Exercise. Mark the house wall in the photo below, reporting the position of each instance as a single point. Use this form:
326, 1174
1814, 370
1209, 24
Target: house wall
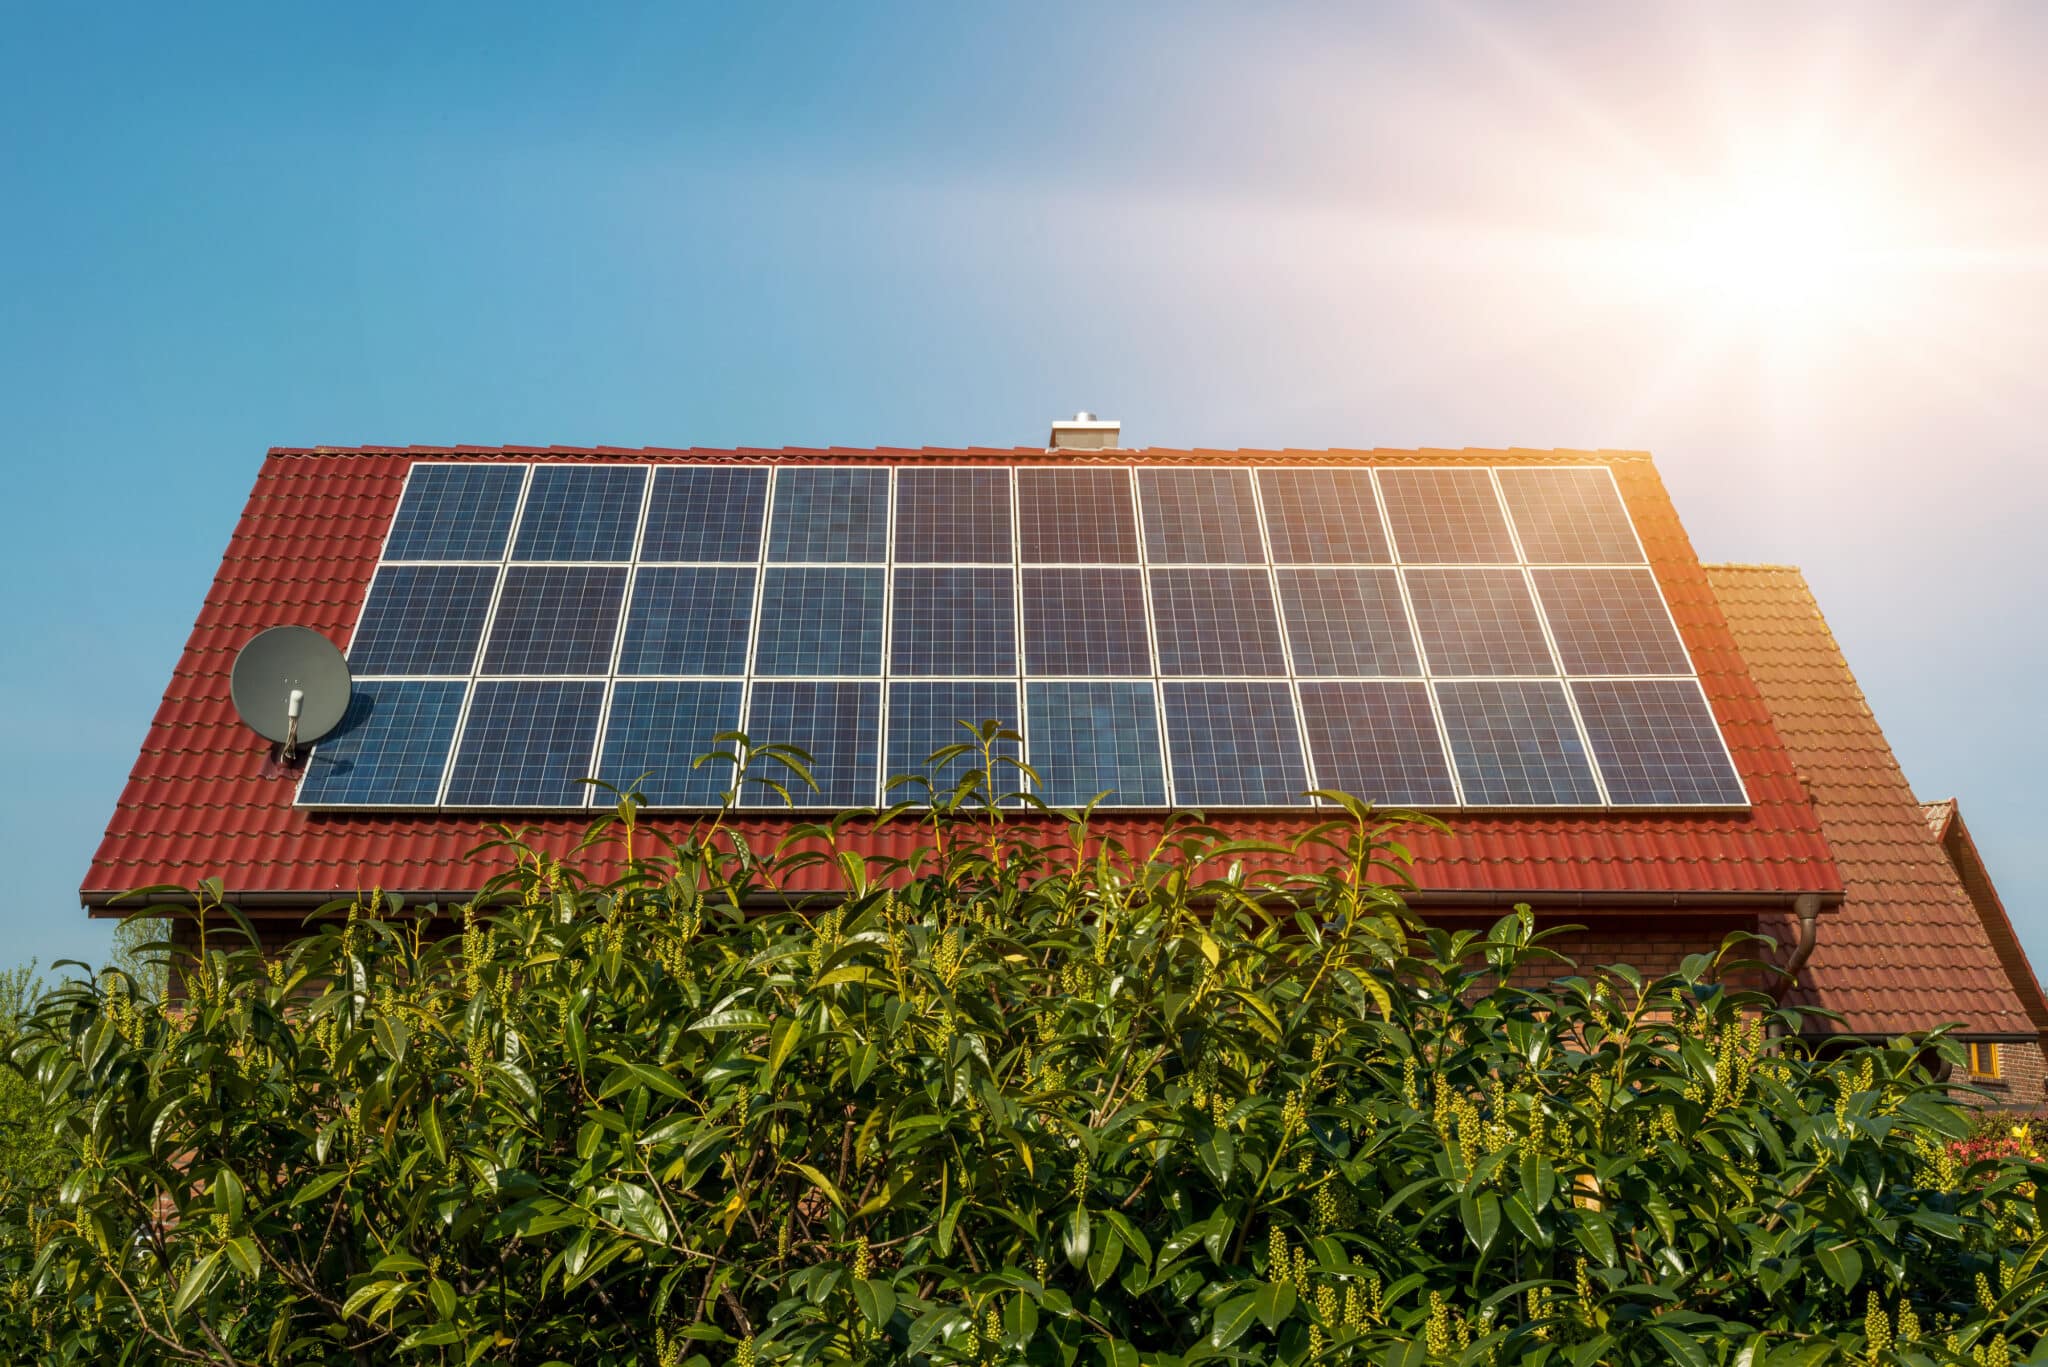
2022, 1083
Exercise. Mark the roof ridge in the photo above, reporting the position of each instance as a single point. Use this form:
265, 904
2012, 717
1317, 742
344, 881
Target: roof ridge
534, 449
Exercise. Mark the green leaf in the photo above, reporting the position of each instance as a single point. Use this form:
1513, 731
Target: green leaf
1079, 1237
877, 1300
320, 1186
430, 1130
1233, 1317
788, 1034
1107, 1252
626, 1075
1482, 1218
1679, 1346
195, 1283
1842, 1263
1218, 1152
1274, 1302
1596, 1235
822, 1183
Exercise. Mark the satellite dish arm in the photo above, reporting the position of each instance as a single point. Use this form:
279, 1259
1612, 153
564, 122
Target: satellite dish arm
293, 707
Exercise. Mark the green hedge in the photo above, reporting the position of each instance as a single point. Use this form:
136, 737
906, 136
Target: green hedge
996, 1104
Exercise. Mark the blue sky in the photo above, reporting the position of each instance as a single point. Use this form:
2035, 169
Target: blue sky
1794, 252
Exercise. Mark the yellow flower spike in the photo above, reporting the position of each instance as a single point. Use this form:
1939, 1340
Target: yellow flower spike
1877, 1330
1436, 1331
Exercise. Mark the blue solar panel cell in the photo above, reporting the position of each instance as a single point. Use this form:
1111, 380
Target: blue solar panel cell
581, 512
837, 723
656, 731
390, 748
958, 516
556, 619
1570, 517
705, 513
1199, 516
1478, 621
422, 619
1234, 744
1656, 743
926, 717
820, 621
954, 621
1446, 517
1094, 738
527, 743
1515, 745
455, 512
1085, 622
1377, 741
1610, 621
1323, 517
1076, 517
688, 619
1216, 623
829, 515
1346, 623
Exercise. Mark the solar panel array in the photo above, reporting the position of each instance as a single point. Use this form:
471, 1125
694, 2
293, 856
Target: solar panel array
1208, 636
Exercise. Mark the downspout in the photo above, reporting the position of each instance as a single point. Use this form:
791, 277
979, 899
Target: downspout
1808, 907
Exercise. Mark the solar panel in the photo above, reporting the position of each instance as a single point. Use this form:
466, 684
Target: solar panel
656, 731
1096, 737
829, 515
1076, 517
953, 516
556, 619
820, 621
1085, 622
1610, 621
837, 723
581, 512
391, 746
423, 619
1216, 622
1323, 517
953, 621
1515, 745
1377, 741
1656, 743
1206, 634
1478, 621
1234, 744
926, 717
1347, 622
1200, 516
705, 513
526, 743
1446, 517
1570, 516
688, 619
455, 512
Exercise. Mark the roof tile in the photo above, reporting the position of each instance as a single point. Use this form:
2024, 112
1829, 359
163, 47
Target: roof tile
1906, 950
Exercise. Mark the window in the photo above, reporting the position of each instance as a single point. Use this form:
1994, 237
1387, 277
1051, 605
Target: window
1983, 1060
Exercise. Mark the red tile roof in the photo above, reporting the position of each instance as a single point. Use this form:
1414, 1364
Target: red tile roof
1945, 819
1907, 950
202, 802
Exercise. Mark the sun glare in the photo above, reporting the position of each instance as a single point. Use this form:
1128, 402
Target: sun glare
1784, 258
1771, 251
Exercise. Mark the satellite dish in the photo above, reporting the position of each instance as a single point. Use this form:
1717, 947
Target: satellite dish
290, 684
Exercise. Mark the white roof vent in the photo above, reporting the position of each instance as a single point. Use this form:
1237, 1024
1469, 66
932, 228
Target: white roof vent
1085, 432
